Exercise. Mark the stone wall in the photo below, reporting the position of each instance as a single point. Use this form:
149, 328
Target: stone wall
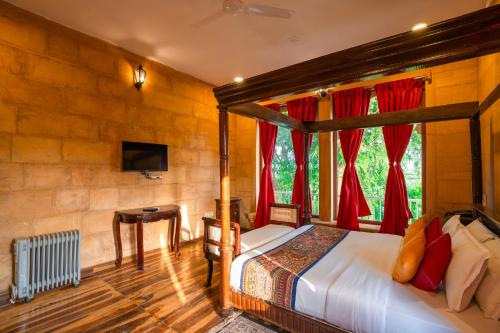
489, 78
242, 161
66, 102
448, 158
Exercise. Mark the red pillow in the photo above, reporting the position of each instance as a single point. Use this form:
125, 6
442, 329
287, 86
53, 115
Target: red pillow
434, 264
433, 231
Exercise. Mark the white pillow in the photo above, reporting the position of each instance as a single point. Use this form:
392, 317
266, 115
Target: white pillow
451, 226
480, 232
488, 293
466, 269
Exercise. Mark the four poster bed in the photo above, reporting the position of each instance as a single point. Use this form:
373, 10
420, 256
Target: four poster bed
340, 280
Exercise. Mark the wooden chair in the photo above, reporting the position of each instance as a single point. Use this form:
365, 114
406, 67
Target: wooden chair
283, 214
211, 243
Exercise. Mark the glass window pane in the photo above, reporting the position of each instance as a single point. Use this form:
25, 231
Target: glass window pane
314, 174
284, 169
283, 166
372, 167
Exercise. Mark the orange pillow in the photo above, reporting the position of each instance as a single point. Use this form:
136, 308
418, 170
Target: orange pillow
414, 228
409, 257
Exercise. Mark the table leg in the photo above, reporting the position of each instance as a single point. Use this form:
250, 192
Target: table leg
140, 246
178, 223
118, 240
171, 227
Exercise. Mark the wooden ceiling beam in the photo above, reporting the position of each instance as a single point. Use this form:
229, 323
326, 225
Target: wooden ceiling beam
421, 115
257, 111
490, 100
460, 38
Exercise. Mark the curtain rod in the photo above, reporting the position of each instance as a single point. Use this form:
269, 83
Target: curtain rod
424, 78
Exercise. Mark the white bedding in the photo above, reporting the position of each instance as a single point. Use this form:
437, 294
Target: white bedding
258, 237
420, 311
252, 239
352, 287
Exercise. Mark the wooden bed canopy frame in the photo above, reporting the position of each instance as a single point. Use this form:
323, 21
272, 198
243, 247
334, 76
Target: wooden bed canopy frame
468, 36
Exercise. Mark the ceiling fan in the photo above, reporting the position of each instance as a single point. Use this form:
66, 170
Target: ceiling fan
239, 7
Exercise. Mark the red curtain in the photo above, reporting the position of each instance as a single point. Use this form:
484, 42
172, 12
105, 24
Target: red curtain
267, 137
301, 109
397, 96
352, 203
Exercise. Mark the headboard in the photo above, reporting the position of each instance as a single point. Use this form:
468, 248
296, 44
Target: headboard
488, 218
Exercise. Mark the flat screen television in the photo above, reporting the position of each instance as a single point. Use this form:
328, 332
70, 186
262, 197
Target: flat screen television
137, 156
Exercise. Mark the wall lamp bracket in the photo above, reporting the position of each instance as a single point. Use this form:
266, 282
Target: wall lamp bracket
139, 77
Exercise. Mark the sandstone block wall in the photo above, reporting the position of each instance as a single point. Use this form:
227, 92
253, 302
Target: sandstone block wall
448, 156
489, 78
66, 102
243, 159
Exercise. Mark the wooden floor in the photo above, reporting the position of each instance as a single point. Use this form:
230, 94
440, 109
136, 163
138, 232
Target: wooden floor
168, 296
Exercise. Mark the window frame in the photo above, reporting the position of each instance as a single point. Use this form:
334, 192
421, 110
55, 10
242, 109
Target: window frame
334, 166
260, 162
336, 178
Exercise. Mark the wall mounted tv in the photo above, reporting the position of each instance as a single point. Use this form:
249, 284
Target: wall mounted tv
137, 156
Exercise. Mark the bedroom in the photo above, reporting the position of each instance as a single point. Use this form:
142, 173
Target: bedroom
68, 100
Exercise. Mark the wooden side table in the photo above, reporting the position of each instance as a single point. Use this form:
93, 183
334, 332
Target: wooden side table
138, 216
234, 209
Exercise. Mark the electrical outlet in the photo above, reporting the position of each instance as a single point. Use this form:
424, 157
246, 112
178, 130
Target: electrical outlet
485, 202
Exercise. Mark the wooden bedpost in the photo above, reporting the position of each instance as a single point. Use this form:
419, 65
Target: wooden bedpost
225, 246
477, 173
307, 208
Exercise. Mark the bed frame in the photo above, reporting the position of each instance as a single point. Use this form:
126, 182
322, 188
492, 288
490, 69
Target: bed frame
468, 36
294, 321
289, 320
286, 319
488, 218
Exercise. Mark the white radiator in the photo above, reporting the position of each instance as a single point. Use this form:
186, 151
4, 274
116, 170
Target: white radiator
45, 262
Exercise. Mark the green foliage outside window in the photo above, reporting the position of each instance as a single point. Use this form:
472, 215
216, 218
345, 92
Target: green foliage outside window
284, 169
371, 165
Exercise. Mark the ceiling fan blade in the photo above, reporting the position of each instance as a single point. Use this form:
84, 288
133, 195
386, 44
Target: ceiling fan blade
209, 19
269, 11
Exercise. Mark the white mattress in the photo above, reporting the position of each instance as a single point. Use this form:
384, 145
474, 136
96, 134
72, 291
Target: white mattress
252, 239
352, 287
258, 237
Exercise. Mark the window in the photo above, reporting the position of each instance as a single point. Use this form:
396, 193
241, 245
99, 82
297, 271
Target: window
372, 167
284, 169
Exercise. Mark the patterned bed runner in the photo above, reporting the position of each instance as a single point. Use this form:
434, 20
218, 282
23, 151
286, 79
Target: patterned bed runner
273, 276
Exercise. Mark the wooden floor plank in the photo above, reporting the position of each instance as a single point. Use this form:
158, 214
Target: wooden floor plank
168, 296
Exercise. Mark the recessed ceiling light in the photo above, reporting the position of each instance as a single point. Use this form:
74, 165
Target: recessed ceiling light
419, 26
238, 79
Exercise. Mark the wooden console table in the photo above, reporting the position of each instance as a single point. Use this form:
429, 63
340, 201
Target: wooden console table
138, 216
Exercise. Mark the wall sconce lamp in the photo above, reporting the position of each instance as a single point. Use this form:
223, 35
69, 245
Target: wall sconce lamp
139, 77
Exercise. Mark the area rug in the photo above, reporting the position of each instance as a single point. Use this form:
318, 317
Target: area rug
241, 323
